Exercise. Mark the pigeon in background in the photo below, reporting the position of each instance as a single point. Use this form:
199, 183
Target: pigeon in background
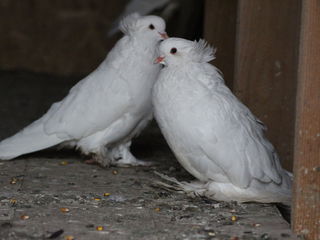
143, 7
184, 17
105, 110
213, 135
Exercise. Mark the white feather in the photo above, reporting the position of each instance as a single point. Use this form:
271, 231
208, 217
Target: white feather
141, 7
105, 110
202, 51
213, 135
28, 140
129, 23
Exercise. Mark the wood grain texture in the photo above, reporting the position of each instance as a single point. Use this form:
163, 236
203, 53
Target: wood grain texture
61, 37
265, 71
306, 210
220, 30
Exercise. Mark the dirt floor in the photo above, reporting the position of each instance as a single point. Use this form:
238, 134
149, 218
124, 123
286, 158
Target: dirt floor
55, 195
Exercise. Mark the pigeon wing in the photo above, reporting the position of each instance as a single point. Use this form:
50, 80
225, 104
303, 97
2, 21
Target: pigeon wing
92, 105
233, 137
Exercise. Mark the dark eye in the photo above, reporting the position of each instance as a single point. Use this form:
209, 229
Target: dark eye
151, 26
173, 50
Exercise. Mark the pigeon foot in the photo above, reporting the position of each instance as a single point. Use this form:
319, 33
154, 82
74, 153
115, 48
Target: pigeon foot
131, 162
100, 160
192, 189
122, 157
91, 161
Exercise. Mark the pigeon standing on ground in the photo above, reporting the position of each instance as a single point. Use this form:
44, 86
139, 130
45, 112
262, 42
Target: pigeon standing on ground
105, 110
213, 135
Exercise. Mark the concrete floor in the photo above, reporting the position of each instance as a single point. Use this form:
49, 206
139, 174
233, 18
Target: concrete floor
55, 195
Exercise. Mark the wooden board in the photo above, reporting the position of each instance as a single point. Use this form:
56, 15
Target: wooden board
220, 30
265, 71
306, 210
60, 37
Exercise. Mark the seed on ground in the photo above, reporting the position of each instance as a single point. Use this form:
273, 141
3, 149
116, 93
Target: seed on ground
99, 228
24, 217
64, 163
13, 181
69, 237
64, 210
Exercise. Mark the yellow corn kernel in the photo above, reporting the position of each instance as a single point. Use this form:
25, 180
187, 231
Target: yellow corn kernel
64, 163
99, 228
69, 237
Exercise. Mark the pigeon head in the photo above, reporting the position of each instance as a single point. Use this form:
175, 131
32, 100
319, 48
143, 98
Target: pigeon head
177, 51
149, 27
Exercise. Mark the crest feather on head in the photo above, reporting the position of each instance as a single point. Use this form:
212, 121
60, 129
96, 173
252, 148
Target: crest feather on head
129, 23
203, 51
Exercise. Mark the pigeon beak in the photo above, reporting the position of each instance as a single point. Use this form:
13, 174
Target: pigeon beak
159, 60
164, 35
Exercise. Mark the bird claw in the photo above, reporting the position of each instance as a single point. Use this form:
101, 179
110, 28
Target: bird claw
169, 179
132, 162
91, 161
99, 160
167, 187
193, 189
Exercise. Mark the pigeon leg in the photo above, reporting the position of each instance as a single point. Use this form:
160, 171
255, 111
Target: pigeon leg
101, 159
91, 161
123, 157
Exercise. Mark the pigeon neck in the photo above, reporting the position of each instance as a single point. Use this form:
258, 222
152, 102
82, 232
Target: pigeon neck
147, 47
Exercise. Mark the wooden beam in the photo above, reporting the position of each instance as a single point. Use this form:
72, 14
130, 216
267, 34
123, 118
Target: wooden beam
306, 208
265, 71
220, 31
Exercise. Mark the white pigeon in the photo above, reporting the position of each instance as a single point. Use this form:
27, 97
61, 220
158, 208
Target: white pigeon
105, 110
213, 135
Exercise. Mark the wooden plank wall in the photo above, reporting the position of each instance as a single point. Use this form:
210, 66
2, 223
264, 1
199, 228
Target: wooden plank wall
56, 37
306, 210
220, 31
265, 71
261, 46
257, 44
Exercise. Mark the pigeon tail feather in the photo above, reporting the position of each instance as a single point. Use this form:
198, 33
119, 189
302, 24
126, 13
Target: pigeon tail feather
227, 191
30, 139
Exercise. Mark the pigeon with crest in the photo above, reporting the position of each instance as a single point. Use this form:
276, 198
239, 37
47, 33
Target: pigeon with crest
105, 110
213, 135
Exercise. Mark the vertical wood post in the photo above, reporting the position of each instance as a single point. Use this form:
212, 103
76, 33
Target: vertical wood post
306, 208
266, 67
220, 31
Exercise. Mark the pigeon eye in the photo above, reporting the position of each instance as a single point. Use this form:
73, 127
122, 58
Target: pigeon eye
173, 50
151, 26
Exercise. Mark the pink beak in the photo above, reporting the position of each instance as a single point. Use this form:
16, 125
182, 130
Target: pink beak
164, 35
159, 60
